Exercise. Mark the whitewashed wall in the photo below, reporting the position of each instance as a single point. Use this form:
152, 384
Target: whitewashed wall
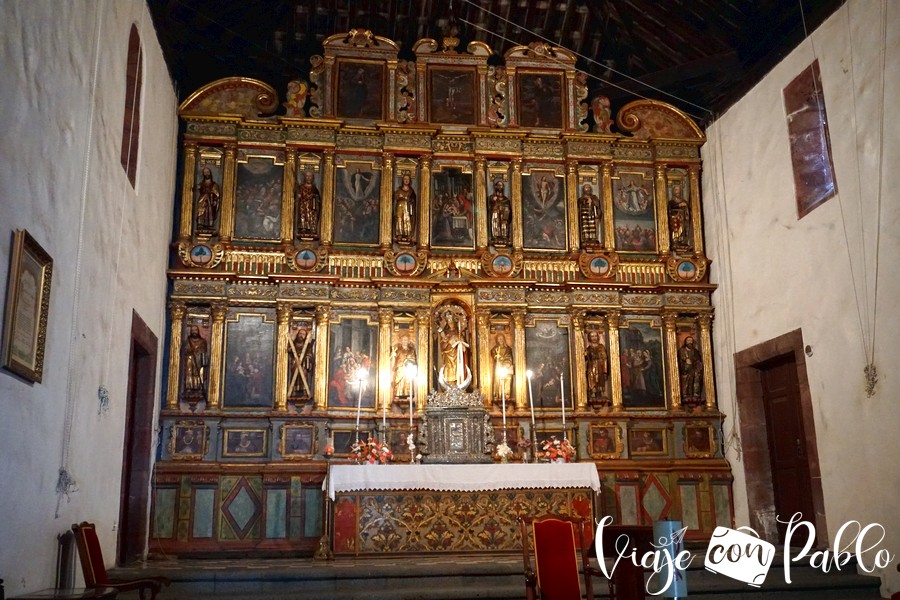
777, 273
61, 105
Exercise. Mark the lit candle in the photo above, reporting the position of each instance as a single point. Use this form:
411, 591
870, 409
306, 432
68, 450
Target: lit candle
411, 376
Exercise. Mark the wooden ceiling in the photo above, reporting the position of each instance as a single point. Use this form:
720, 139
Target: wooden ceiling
699, 55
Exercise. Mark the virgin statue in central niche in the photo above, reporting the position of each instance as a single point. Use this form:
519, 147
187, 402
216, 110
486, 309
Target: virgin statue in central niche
452, 326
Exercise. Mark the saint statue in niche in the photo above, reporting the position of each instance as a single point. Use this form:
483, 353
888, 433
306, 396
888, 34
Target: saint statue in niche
207, 202
405, 211
453, 347
301, 363
403, 361
308, 202
690, 371
501, 214
590, 214
502, 357
195, 364
679, 219
595, 362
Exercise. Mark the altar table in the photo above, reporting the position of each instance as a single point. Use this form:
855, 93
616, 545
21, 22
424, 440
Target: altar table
440, 508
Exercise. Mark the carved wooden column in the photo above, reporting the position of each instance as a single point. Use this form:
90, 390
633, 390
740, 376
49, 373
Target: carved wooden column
287, 196
326, 219
385, 326
226, 228
387, 200
282, 334
572, 202
615, 360
516, 191
216, 354
521, 381
662, 210
485, 364
609, 229
669, 320
423, 354
481, 210
581, 399
187, 191
709, 384
424, 201
323, 317
696, 221
177, 310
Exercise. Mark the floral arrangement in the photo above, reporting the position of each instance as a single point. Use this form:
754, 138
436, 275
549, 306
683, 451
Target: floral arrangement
504, 451
554, 449
371, 451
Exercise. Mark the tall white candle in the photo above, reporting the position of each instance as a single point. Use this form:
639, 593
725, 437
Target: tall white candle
562, 393
529, 374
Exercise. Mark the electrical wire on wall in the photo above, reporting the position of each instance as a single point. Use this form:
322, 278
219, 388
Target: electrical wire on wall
581, 56
731, 441
65, 484
867, 308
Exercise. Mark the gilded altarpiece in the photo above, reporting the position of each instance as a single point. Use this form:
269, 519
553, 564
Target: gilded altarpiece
413, 227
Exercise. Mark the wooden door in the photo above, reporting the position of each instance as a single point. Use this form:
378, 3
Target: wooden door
136, 460
791, 480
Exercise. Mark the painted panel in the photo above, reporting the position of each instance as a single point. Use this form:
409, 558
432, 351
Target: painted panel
628, 504
249, 369
722, 504
544, 210
312, 517
689, 514
204, 506
257, 199
276, 506
164, 513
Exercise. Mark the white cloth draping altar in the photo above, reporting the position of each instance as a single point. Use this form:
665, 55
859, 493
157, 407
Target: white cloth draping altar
461, 478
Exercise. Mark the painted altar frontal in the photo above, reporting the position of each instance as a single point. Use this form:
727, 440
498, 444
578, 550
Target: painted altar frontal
395, 226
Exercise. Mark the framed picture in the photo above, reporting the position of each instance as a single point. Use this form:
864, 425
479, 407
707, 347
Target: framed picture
353, 372
27, 307
399, 445
540, 99
699, 440
188, 440
544, 210
634, 211
804, 107
452, 95
257, 198
547, 357
245, 443
344, 438
297, 441
605, 440
357, 203
647, 442
544, 432
452, 208
641, 364
249, 359
360, 89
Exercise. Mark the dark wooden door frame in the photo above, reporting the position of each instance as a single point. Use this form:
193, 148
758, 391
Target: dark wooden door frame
754, 437
134, 502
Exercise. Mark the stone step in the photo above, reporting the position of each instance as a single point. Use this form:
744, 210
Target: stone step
454, 578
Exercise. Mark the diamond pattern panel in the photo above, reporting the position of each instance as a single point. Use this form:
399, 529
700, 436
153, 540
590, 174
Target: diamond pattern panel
242, 508
655, 499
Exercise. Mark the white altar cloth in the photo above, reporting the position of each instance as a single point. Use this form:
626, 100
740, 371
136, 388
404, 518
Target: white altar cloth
461, 478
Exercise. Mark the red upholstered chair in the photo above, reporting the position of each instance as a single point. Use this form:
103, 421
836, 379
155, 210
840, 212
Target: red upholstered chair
95, 572
560, 546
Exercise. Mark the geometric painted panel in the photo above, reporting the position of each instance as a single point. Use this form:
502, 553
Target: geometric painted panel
242, 507
655, 499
